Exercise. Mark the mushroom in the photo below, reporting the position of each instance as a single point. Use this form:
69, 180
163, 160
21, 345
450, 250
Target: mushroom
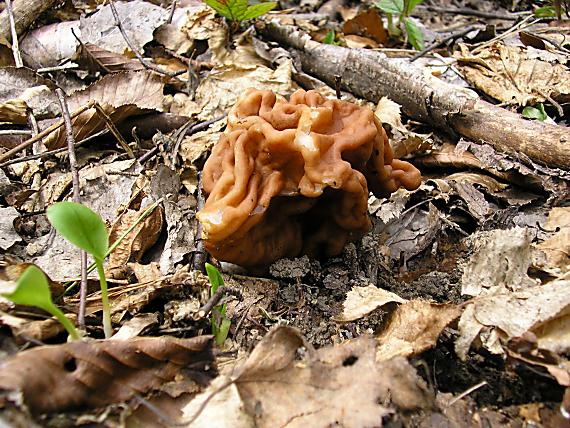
292, 177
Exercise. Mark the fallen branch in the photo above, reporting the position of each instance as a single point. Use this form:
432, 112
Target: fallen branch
25, 12
423, 97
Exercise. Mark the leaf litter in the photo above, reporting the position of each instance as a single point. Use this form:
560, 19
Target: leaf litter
467, 274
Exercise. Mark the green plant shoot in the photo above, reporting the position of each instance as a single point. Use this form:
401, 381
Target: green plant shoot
86, 230
240, 10
32, 289
220, 324
402, 9
537, 112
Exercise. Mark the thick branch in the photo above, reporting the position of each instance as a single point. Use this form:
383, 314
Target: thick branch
423, 97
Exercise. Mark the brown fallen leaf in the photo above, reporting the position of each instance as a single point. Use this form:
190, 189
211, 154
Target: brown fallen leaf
367, 24
414, 327
93, 58
341, 385
557, 248
121, 95
98, 373
138, 240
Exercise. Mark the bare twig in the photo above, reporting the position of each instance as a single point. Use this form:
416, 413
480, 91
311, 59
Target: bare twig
200, 254
468, 12
76, 198
215, 299
143, 61
51, 152
172, 9
438, 43
15, 132
467, 392
15, 45
66, 66
44, 133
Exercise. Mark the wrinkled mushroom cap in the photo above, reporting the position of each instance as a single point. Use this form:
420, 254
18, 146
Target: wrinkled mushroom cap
292, 177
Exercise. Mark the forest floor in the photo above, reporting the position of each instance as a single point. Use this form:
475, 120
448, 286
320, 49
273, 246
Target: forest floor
452, 311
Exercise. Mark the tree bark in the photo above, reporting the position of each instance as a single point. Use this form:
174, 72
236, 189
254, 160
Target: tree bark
425, 98
25, 12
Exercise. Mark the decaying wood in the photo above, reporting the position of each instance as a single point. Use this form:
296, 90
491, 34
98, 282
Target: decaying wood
423, 97
25, 12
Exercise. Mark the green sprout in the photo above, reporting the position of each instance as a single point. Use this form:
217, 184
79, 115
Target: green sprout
330, 39
402, 9
240, 10
86, 230
220, 324
537, 112
32, 289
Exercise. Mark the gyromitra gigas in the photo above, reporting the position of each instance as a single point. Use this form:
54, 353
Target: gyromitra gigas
292, 177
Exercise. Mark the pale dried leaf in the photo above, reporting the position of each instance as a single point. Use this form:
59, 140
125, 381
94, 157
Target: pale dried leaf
98, 373
515, 74
13, 111
8, 235
539, 309
50, 45
327, 387
121, 95
557, 247
500, 260
138, 18
135, 326
414, 327
361, 301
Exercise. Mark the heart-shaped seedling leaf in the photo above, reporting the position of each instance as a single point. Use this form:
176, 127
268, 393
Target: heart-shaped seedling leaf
80, 226
32, 289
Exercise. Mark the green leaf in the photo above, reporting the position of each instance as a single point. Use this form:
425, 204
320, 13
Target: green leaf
391, 6
80, 226
32, 289
411, 4
545, 12
220, 7
257, 10
535, 113
329, 38
214, 276
222, 332
415, 35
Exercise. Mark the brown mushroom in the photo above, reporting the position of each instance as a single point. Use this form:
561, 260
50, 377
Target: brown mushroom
292, 177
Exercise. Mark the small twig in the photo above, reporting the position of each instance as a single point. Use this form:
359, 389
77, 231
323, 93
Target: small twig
514, 29
467, 12
114, 130
466, 393
76, 198
192, 130
438, 43
15, 44
143, 61
172, 9
15, 132
66, 66
51, 152
200, 255
44, 133
215, 299
337, 86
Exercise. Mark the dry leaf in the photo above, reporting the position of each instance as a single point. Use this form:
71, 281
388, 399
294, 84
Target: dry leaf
515, 74
121, 95
557, 247
93, 58
21, 88
50, 45
139, 240
414, 327
361, 301
98, 373
340, 385
139, 19
500, 260
8, 235
367, 24
541, 310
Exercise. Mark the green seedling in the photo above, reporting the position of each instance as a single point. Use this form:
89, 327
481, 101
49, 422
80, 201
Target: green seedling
537, 112
86, 230
220, 324
240, 10
32, 289
401, 10
553, 10
330, 39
